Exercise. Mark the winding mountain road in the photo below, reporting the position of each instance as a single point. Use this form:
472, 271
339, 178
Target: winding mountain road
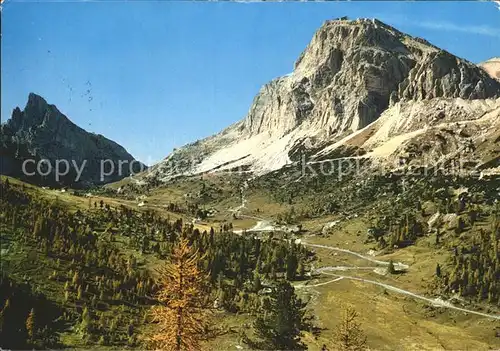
303, 286
433, 302
397, 265
264, 225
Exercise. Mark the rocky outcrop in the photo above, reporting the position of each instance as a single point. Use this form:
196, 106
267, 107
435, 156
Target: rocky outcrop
348, 76
441, 74
41, 131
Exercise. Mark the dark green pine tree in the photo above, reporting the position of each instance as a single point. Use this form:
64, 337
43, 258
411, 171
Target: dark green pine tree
391, 269
282, 321
438, 271
291, 266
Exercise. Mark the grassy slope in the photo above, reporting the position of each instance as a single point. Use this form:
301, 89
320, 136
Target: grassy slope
25, 262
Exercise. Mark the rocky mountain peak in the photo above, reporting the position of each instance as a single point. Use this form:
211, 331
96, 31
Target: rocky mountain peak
352, 70
343, 34
36, 112
36, 101
37, 107
351, 74
41, 131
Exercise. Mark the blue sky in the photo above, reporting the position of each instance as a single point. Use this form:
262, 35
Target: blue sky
156, 75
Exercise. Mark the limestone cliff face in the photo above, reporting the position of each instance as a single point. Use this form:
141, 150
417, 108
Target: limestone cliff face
41, 131
347, 77
352, 71
441, 74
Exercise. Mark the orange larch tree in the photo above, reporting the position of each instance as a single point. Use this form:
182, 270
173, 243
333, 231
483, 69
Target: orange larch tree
182, 315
